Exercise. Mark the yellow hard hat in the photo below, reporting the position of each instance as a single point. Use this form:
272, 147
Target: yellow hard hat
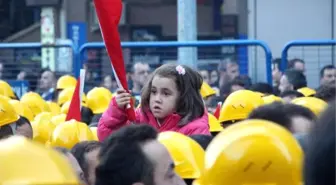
8, 114
65, 107
23, 161
94, 132
6, 90
306, 91
66, 81
316, 105
206, 90
56, 120
55, 109
66, 95
187, 154
239, 104
259, 93
98, 99
214, 124
22, 109
35, 102
253, 152
42, 127
271, 98
69, 133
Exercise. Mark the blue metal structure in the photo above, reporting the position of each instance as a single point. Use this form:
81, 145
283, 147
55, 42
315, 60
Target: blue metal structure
284, 54
209, 43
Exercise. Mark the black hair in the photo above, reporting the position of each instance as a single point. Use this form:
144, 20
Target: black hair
277, 61
190, 103
320, 156
291, 63
86, 114
80, 150
122, 160
261, 87
293, 110
22, 121
326, 92
202, 140
327, 67
296, 78
281, 113
274, 112
6, 131
291, 93
95, 120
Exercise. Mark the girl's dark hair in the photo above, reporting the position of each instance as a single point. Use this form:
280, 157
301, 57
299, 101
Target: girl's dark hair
190, 104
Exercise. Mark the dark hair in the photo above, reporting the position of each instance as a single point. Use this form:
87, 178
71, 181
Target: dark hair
274, 112
291, 93
48, 70
95, 120
262, 88
62, 150
296, 78
277, 61
326, 92
202, 140
327, 67
122, 160
190, 103
22, 121
320, 156
6, 131
292, 62
297, 110
87, 115
80, 150
282, 114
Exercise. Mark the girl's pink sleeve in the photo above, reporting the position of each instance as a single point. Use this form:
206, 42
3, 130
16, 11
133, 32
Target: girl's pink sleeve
112, 119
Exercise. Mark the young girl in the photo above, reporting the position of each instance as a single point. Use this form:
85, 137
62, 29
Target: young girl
170, 101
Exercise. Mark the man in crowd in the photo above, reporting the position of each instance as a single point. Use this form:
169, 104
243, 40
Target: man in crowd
139, 76
133, 156
292, 80
297, 64
328, 75
47, 84
276, 74
228, 70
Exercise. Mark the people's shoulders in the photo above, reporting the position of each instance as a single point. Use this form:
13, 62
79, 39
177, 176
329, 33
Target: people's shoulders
197, 126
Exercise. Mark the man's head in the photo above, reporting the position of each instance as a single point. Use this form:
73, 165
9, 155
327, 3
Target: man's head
297, 64
295, 118
140, 74
133, 156
229, 68
288, 96
276, 73
328, 75
48, 80
292, 80
24, 128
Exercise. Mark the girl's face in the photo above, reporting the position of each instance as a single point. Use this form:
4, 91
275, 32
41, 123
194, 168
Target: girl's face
163, 97
213, 76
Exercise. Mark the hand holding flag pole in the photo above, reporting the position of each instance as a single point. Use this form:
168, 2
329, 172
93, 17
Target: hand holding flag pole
109, 13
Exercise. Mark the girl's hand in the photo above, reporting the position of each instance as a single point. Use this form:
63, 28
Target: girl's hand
122, 98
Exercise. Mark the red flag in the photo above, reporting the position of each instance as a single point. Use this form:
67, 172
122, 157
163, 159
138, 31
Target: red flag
218, 109
74, 109
109, 13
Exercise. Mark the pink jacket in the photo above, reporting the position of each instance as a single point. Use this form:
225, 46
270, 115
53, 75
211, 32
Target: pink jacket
114, 118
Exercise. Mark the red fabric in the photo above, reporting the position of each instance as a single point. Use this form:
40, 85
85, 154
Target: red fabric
217, 111
74, 109
109, 13
115, 118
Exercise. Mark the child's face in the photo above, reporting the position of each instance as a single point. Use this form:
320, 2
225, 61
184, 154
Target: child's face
163, 97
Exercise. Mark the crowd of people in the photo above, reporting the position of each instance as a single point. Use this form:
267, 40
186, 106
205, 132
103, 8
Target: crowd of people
191, 127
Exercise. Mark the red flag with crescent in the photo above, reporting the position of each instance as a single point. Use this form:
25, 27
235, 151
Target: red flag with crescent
109, 13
